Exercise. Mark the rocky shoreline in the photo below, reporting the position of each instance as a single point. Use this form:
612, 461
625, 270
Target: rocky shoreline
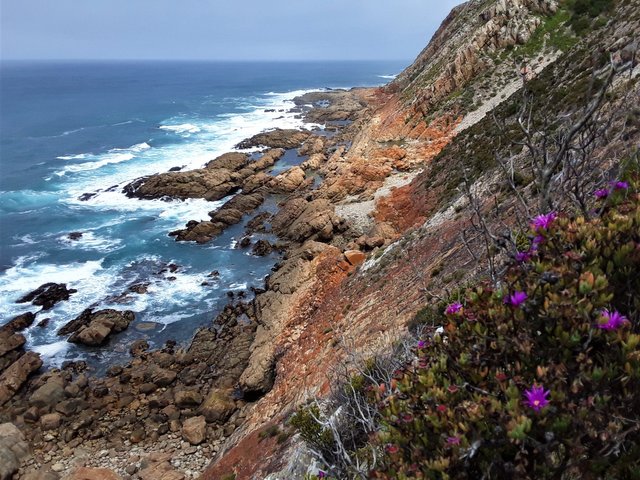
165, 414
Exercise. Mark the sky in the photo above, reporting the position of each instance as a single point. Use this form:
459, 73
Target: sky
219, 29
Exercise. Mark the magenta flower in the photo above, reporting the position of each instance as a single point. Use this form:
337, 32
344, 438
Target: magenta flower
453, 440
537, 397
516, 299
620, 185
614, 320
601, 194
543, 222
453, 309
522, 257
322, 474
422, 344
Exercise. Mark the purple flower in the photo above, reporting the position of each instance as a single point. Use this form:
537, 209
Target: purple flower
516, 299
422, 344
537, 397
602, 193
543, 222
614, 320
522, 257
453, 440
620, 185
322, 474
453, 309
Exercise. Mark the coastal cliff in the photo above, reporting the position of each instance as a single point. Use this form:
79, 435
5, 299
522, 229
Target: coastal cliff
377, 223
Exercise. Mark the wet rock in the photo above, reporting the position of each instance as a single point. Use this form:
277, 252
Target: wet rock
47, 295
139, 347
100, 325
13, 450
139, 288
16, 374
74, 236
43, 323
218, 406
194, 430
19, 323
262, 248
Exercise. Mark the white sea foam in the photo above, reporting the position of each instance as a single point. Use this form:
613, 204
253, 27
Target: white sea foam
91, 241
181, 128
115, 155
388, 77
80, 156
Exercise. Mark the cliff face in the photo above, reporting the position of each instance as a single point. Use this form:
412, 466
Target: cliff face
399, 186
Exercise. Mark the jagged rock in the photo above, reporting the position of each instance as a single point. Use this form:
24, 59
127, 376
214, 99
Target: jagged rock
85, 473
194, 430
74, 236
49, 394
300, 220
16, 374
93, 328
9, 343
47, 295
19, 323
230, 161
162, 377
277, 138
288, 181
218, 406
355, 257
139, 288
262, 248
139, 347
13, 450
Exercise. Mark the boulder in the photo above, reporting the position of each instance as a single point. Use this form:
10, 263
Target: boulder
19, 323
42, 474
288, 181
47, 295
218, 406
101, 324
230, 161
162, 377
13, 450
49, 394
8, 343
187, 398
194, 430
160, 471
16, 374
355, 257
50, 421
262, 248
139, 347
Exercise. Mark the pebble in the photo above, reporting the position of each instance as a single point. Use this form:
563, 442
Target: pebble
57, 467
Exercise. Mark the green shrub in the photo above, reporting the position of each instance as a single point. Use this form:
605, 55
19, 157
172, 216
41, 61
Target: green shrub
459, 411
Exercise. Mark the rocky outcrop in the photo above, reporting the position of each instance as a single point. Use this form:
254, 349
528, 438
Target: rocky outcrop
93, 328
48, 295
16, 374
300, 220
334, 105
289, 181
277, 138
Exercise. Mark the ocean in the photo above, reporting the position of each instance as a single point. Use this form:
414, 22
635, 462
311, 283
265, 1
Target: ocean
92, 127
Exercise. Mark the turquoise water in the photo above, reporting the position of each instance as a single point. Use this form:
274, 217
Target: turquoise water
74, 128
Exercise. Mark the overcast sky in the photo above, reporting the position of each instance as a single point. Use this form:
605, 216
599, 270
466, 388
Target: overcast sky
219, 29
